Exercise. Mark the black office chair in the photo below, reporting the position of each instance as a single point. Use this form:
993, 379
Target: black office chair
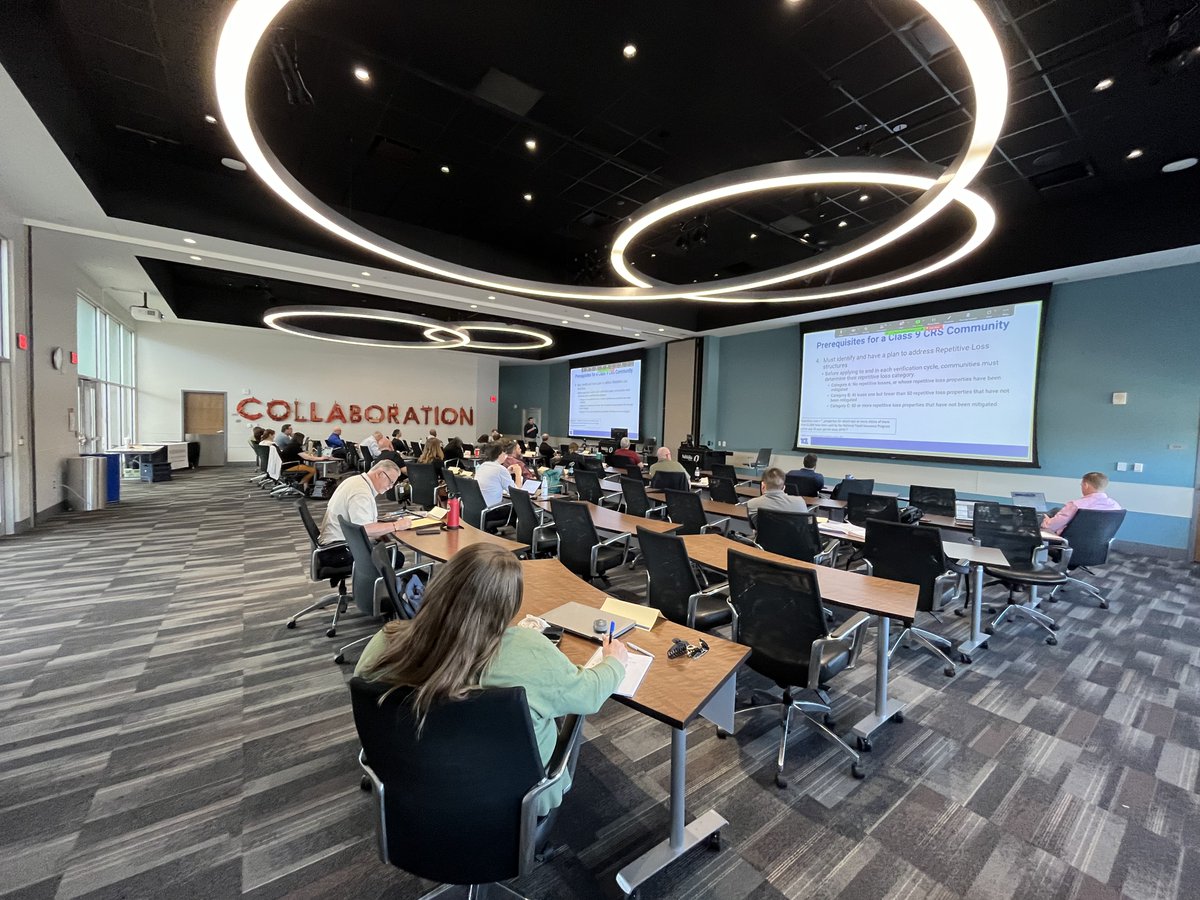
860, 507
673, 588
722, 489
763, 460
422, 484
416, 447
587, 486
457, 796
685, 510
670, 481
689, 466
353, 460
633, 492
792, 534
1015, 532
1089, 535
541, 539
333, 563
777, 613
260, 463
801, 485
934, 501
475, 510
843, 489
579, 547
723, 470
913, 554
590, 464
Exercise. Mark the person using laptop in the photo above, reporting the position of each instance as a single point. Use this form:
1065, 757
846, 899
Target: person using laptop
493, 477
1092, 485
810, 470
474, 597
774, 497
511, 460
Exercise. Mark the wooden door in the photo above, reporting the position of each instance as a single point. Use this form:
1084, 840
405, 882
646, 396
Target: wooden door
203, 412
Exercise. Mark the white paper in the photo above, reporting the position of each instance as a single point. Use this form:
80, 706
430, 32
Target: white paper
635, 670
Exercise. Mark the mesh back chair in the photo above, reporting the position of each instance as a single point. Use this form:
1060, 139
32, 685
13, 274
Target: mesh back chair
417, 448
467, 463
262, 457
475, 510
802, 485
587, 485
670, 481
843, 489
791, 534
913, 554
860, 507
723, 470
935, 501
673, 588
633, 490
579, 547
422, 484
1090, 533
333, 563
1014, 531
763, 460
777, 613
451, 482
685, 510
722, 490
353, 458
540, 539
590, 464
457, 802
690, 466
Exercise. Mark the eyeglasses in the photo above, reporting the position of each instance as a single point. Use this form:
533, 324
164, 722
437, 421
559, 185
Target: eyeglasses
680, 647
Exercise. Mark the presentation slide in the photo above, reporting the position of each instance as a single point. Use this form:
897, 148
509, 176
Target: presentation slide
604, 397
959, 385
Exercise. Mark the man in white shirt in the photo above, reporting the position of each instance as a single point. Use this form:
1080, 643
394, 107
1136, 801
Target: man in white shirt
774, 497
492, 477
354, 499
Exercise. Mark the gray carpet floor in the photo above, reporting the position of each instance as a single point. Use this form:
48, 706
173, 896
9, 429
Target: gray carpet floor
162, 734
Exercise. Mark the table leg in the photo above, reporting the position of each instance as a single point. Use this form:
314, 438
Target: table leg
978, 638
885, 707
683, 836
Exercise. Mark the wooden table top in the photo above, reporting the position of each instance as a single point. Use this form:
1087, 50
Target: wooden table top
955, 525
444, 544
877, 596
674, 690
715, 507
606, 519
756, 479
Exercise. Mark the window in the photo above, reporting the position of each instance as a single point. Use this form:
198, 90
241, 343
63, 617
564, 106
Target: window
107, 396
7, 502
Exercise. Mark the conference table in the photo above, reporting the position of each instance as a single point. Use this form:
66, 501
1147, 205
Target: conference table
441, 544
173, 452
674, 691
879, 597
606, 519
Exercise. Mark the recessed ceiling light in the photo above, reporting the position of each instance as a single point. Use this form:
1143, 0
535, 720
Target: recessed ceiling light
843, 223
863, 198
355, 284
445, 170
189, 240
530, 144
716, 274
629, 51
528, 198
565, 322
587, 315
753, 236
806, 234
474, 306
1103, 85
1135, 153
662, 329
652, 255
236, 164
637, 334
491, 296
366, 274
1179, 165
211, 120
362, 74
196, 258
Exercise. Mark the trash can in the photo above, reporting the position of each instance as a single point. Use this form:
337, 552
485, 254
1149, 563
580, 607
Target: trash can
86, 483
113, 473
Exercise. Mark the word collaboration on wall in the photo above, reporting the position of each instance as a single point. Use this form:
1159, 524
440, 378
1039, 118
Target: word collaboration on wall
251, 409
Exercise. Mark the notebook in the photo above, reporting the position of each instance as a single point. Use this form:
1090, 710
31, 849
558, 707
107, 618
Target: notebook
643, 617
578, 618
636, 667
1036, 499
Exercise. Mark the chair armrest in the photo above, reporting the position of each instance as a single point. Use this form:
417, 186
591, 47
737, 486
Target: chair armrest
742, 539
694, 600
566, 750
852, 630
721, 526
619, 539
487, 509
377, 791
943, 585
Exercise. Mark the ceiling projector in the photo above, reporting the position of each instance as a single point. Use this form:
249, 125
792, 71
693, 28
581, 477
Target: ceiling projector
144, 313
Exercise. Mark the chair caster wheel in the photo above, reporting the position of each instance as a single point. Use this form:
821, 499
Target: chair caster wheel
291, 623
949, 671
1053, 626
365, 784
331, 632
635, 894
1104, 604
988, 629
858, 771
780, 782
830, 721
984, 646
340, 658
714, 841
1052, 641
898, 718
863, 744
960, 612
1051, 599
964, 659
722, 734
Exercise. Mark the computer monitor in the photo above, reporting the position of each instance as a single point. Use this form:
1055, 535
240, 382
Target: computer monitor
1036, 499
618, 433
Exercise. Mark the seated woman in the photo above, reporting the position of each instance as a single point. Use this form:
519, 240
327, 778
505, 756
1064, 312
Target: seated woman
268, 436
453, 450
294, 459
474, 597
432, 455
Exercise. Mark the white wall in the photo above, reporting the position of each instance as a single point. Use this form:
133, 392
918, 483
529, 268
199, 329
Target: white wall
16, 493
241, 362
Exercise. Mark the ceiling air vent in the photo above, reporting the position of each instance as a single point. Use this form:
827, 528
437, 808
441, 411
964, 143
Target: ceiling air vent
507, 92
1071, 173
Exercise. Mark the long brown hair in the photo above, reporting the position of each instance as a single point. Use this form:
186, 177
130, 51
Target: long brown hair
444, 649
432, 451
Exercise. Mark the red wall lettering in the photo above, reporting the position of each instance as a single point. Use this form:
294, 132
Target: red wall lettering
274, 415
411, 416
299, 418
312, 412
449, 416
245, 413
248, 408
373, 417
466, 416
336, 414
355, 413
393, 415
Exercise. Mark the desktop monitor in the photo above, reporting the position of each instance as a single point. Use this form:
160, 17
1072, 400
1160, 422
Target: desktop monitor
619, 433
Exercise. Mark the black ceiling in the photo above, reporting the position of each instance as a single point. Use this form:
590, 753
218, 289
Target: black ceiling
124, 86
231, 298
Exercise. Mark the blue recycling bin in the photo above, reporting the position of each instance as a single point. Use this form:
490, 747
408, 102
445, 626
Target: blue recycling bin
113, 470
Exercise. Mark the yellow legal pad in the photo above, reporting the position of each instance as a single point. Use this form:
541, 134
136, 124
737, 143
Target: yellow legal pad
643, 617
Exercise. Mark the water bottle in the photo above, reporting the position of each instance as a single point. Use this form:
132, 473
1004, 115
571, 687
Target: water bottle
454, 515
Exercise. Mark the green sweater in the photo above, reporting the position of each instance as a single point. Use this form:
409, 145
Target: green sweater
554, 686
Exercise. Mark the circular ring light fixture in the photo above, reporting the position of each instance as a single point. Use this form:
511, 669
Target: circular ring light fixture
799, 173
962, 20
539, 340
280, 318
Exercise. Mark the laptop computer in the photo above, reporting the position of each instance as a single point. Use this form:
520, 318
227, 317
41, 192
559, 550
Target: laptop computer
964, 510
530, 486
578, 619
1036, 499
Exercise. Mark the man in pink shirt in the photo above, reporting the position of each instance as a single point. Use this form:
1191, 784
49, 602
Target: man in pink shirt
1092, 485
